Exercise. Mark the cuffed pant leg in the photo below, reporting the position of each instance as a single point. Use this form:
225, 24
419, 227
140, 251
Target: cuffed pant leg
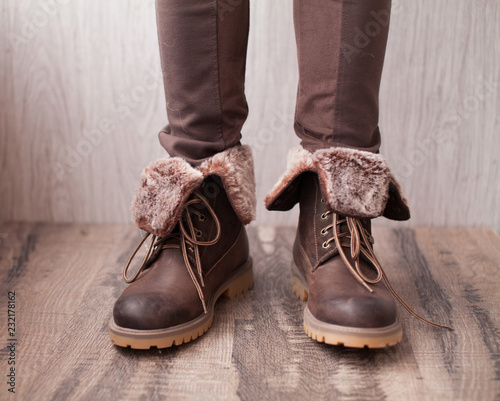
341, 49
203, 47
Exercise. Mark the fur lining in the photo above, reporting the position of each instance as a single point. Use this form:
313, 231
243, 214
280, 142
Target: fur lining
235, 168
166, 185
354, 183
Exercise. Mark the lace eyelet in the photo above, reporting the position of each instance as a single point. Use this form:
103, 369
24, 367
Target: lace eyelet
323, 200
325, 245
201, 217
324, 216
199, 233
323, 232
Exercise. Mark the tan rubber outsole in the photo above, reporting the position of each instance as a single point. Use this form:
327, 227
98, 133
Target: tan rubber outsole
183, 333
352, 337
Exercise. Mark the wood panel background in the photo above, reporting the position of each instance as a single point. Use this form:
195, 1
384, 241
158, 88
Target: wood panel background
81, 103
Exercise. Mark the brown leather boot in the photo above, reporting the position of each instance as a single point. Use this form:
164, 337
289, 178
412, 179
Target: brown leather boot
198, 249
334, 267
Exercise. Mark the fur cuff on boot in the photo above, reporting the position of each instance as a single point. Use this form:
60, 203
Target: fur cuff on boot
353, 182
167, 183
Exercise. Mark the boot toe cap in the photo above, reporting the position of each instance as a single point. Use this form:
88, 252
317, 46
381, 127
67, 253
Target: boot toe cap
362, 312
148, 313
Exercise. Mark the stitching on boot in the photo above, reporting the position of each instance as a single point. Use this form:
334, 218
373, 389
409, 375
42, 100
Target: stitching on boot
314, 221
226, 253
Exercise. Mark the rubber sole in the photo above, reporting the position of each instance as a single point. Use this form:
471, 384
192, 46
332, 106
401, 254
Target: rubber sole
352, 337
239, 283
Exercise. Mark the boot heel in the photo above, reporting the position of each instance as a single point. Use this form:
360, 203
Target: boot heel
240, 285
298, 288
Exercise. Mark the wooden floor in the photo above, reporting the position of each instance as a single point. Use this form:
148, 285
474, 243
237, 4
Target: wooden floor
66, 278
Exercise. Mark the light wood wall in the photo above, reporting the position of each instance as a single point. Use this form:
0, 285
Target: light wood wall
81, 103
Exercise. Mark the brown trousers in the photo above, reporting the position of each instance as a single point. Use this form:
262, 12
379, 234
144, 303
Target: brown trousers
203, 46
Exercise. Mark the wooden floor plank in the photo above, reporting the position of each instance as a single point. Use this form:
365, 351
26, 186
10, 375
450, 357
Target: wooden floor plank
67, 277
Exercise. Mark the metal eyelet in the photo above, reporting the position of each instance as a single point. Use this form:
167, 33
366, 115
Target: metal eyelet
324, 216
323, 200
201, 217
199, 233
323, 232
325, 245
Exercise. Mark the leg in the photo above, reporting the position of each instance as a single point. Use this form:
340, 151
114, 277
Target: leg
341, 49
193, 206
337, 176
203, 47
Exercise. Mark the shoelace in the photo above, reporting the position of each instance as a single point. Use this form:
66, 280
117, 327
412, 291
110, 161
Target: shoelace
360, 243
188, 241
